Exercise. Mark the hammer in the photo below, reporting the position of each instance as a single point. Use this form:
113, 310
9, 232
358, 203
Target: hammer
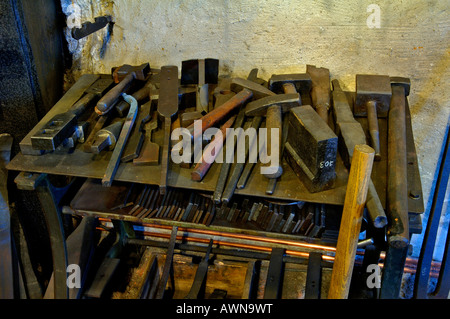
201, 72
275, 106
124, 76
321, 90
373, 96
397, 186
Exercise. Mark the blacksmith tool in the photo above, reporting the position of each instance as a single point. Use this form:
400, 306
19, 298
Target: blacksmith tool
136, 138
198, 286
221, 95
320, 90
167, 108
397, 182
168, 263
200, 72
220, 113
239, 166
259, 91
91, 27
141, 96
149, 153
63, 125
350, 134
253, 77
106, 138
311, 149
275, 275
373, 96
211, 151
123, 76
350, 227
225, 166
124, 133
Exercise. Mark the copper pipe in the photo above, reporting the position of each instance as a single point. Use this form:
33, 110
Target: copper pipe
242, 236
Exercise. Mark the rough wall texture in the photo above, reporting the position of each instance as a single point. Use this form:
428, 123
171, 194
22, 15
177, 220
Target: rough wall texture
284, 36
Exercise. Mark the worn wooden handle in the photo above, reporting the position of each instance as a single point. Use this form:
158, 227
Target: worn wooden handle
105, 104
203, 166
355, 199
222, 111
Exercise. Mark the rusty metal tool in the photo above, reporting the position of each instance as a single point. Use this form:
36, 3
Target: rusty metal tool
350, 133
311, 149
123, 76
136, 138
239, 166
221, 95
145, 207
253, 77
100, 122
114, 161
167, 264
320, 90
149, 154
259, 91
167, 108
198, 286
200, 72
141, 96
373, 96
288, 84
91, 27
139, 201
397, 183
220, 113
225, 166
63, 125
144, 201
106, 138
211, 151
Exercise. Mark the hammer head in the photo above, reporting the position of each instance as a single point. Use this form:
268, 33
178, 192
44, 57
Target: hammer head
375, 88
260, 106
401, 81
140, 71
301, 81
199, 71
259, 91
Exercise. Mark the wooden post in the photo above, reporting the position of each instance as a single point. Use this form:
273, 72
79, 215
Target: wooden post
355, 199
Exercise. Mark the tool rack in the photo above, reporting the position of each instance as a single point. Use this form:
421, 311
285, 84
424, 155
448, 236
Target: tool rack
83, 172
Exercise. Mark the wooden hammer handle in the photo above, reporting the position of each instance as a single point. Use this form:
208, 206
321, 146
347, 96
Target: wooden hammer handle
105, 104
222, 111
355, 199
203, 166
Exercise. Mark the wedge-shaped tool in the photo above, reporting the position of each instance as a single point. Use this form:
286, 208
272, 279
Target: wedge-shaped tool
107, 137
311, 149
63, 125
167, 108
200, 72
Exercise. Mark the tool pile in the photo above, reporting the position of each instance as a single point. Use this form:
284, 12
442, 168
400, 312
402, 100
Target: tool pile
314, 117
